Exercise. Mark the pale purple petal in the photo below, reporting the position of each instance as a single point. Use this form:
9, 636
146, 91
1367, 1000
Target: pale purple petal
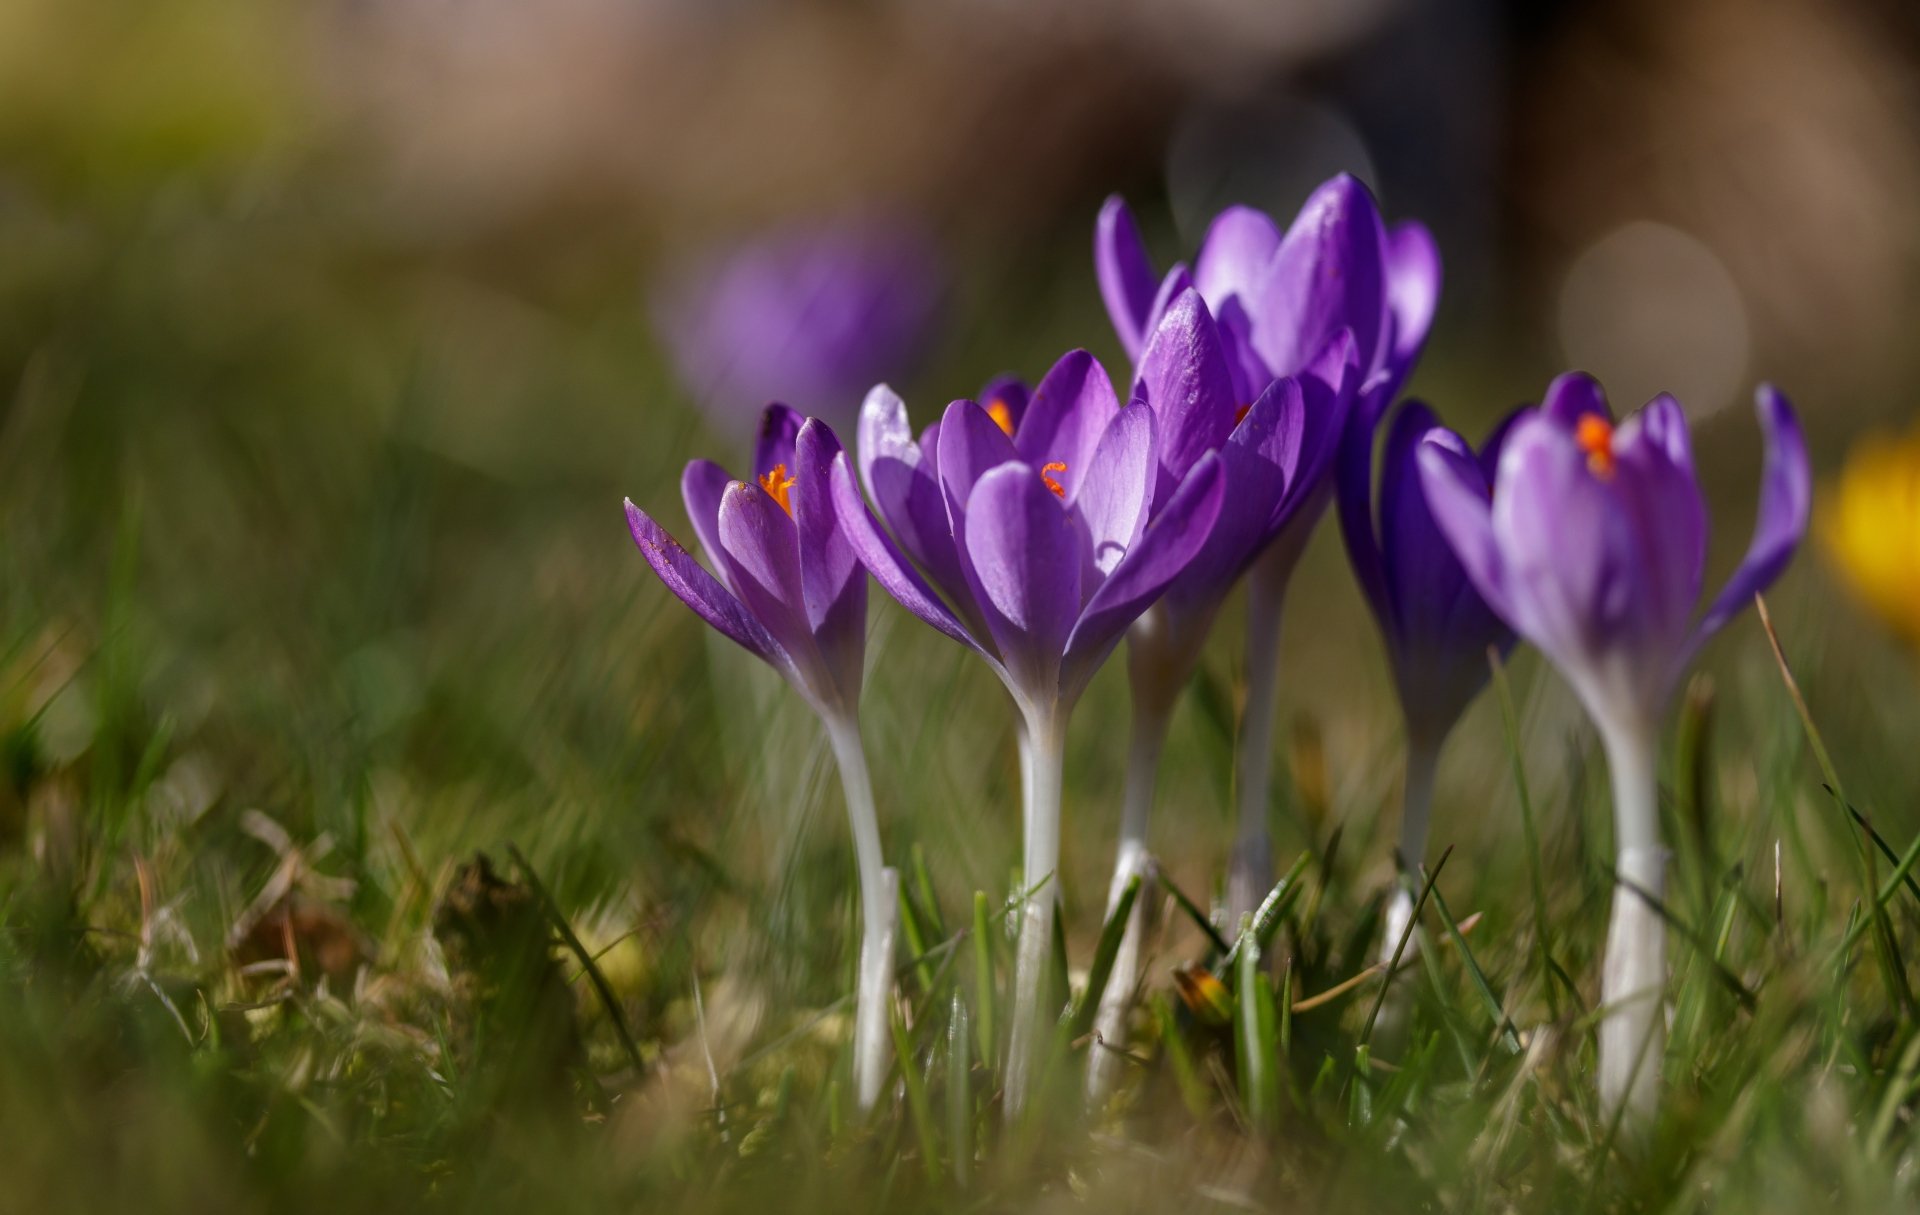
1786, 495
702, 485
700, 591
1115, 495
887, 564
760, 550
1171, 540
1121, 264
1662, 498
1185, 379
1329, 274
1664, 424
1235, 254
832, 580
1413, 291
773, 443
1172, 286
903, 479
1065, 419
1026, 556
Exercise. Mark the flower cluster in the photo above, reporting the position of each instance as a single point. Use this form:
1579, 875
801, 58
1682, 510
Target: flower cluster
1041, 528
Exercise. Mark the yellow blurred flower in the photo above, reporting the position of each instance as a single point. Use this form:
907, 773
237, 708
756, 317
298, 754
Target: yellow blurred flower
1871, 526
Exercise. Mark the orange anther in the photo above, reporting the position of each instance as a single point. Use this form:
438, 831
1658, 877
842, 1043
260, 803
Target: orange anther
1594, 434
1001, 415
777, 484
1059, 490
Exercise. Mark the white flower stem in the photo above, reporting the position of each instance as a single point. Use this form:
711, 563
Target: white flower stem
1416, 805
880, 907
1045, 754
1633, 980
1250, 871
1150, 722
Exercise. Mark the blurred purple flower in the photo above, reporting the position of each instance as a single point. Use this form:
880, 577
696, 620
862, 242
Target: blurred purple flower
812, 314
1591, 542
789, 590
1436, 626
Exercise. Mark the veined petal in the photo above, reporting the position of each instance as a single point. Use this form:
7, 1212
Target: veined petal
761, 552
1126, 274
1069, 411
1170, 541
1257, 461
970, 445
1786, 496
1026, 557
702, 485
887, 564
1172, 286
1185, 379
1114, 497
700, 591
773, 444
1328, 274
903, 479
1235, 254
832, 580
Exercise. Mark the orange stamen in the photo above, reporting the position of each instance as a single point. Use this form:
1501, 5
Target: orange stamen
777, 484
1059, 490
1001, 415
1595, 437
1240, 414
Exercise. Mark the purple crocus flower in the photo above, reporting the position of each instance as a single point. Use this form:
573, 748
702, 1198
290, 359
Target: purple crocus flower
1437, 628
1278, 299
788, 589
1033, 538
812, 313
1591, 542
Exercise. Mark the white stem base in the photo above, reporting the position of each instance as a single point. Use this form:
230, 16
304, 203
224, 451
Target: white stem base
872, 1006
1633, 986
1033, 957
1110, 1021
1250, 869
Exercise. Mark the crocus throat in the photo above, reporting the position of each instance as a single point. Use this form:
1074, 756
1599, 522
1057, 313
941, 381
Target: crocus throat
1059, 490
1001, 415
777, 484
1595, 437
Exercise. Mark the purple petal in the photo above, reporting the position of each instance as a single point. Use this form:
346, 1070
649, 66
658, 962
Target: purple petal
1258, 462
760, 550
886, 563
1126, 274
1571, 396
702, 485
831, 578
1184, 377
700, 591
1114, 496
773, 445
1421, 571
1786, 495
1329, 385
1329, 274
903, 479
970, 445
1173, 538
1235, 255
1413, 291
1068, 414
1026, 556
1653, 476
1177, 282
1462, 508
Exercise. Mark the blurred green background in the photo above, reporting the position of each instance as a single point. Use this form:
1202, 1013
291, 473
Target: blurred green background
329, 346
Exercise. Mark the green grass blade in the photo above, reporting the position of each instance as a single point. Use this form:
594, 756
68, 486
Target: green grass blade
1104, 953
